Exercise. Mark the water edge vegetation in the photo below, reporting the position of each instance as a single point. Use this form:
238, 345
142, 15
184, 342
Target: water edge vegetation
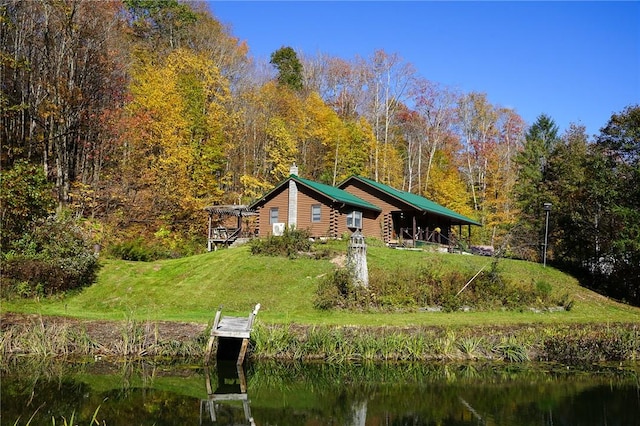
135, 302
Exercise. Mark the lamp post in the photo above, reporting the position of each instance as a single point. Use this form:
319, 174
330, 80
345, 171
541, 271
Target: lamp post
547, 209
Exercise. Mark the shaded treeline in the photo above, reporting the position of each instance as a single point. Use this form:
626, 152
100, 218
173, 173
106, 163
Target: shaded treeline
141, 113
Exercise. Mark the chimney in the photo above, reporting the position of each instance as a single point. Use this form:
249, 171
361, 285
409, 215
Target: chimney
293, 198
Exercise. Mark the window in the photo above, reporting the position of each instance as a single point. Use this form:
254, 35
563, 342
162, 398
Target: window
354, 220
273, 215
315, 213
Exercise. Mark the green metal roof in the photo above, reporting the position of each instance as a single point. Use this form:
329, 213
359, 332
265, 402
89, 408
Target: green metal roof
331, 192
416, 201
336, 194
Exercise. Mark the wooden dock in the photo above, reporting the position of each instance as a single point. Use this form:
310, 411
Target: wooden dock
232, 327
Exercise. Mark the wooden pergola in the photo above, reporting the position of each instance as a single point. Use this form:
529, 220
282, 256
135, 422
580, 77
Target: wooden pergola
225, 235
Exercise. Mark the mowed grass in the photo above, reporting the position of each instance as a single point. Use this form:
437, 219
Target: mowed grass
192, 288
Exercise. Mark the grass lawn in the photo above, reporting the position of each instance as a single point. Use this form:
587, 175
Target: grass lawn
192, 288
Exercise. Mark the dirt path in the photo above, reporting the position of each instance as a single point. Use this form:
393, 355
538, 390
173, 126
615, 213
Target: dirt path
107, 333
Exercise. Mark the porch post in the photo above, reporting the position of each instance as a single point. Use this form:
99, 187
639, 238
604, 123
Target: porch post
209, 234
413, 231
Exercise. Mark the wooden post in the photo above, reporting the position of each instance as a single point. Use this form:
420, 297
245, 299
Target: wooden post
209, 234
242, 378
207, 354
208, 381
243, 351
413, 230
212, 337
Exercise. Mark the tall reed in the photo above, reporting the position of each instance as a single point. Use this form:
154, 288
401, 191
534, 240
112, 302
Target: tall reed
64, 421
616, 342
44, 340
130, 339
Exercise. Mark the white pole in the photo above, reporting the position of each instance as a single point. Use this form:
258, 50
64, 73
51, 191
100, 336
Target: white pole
547, 208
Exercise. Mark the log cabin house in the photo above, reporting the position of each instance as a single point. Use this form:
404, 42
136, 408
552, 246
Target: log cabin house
324, 210
377, 210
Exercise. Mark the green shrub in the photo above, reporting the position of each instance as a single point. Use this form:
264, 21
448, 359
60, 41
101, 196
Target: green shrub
135, 250
509, 349
543, 288
54, 256
337, 291
421, 287
334, 289
25, 197
290, 244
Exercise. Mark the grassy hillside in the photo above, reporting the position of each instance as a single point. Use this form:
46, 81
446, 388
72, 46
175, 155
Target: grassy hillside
191, 289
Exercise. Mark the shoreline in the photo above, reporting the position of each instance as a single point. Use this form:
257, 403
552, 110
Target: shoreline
60, 337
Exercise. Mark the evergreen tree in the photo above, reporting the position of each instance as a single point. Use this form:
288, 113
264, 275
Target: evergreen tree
531, 190
572, 218
289, 68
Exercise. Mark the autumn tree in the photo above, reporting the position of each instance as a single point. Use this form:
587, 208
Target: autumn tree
59, 76
360, 142
436, 106
448, 186
281, 149
389, 85
173, 151
500, 205
247, 156
477, 118
323, 140
341, 83
411, 130
491, 138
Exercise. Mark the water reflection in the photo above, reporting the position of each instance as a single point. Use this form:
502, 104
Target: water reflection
232, 387
143, 393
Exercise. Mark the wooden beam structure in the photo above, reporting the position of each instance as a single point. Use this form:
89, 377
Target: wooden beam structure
224, 235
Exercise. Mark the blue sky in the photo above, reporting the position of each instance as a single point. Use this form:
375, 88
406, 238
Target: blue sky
577, 62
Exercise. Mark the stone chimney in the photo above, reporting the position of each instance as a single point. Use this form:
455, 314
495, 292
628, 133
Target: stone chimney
293, 198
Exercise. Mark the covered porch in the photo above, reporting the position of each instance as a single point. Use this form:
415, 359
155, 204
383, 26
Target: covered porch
412, 228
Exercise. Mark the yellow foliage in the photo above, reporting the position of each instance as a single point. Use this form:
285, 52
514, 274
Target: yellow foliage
177, 142
253, 188
281, 149
447, 187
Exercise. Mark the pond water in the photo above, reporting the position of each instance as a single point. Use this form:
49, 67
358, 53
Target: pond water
142, 393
